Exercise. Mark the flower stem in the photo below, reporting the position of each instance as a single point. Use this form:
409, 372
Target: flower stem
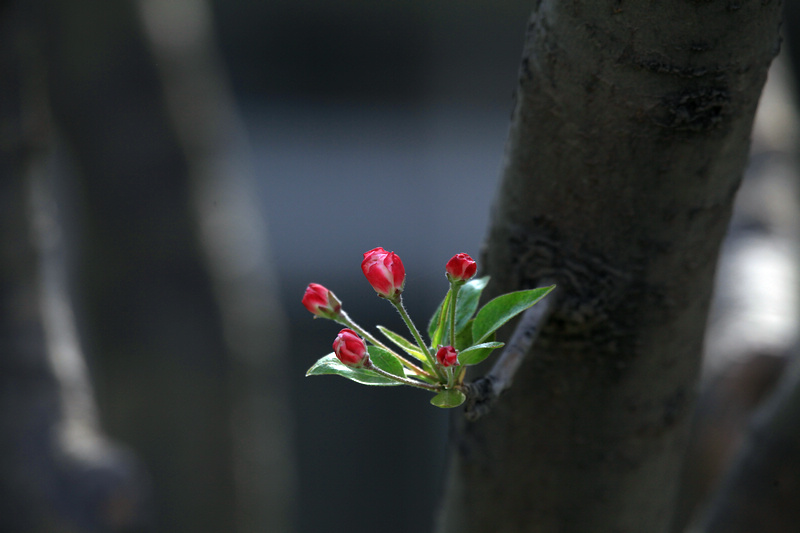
404, 381
460, 378
398, 304
345, 320
453, 301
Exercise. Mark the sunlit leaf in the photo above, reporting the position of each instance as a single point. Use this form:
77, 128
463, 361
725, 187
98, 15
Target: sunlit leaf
477, 353
385, 361
413, 375
331, 365
468, 297
402, 343
448, 399
464, 338
437, 327
502, 309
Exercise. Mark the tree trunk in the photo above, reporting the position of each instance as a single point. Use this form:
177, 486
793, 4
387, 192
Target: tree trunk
628, 142
752, 331
174, 286
58, 471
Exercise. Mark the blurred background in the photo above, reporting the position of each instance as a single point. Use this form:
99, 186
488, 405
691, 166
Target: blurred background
195, 165
175, 174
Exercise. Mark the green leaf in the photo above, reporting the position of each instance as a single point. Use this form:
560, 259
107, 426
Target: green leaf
502, 309
448, 398
475, 354
464, 338
437, 327
385, 361
426, 366
331, 365
468, 297
404, 344
413, 375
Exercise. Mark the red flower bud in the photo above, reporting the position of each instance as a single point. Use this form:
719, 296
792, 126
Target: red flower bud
447, 356
461, 267
350, 348
384, 271
321, 302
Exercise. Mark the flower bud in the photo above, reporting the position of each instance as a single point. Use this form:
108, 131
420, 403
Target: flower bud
461, 267
350, 349
384, 271
321, 302
447, 356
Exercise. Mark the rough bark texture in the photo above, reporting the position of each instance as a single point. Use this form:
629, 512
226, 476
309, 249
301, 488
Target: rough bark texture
628, 141
752, 326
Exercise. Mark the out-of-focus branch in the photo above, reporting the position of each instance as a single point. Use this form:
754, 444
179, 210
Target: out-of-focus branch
174, 292
58, 471
235, 241
760, 491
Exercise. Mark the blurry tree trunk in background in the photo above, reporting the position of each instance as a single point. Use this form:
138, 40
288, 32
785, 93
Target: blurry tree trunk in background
760, 491
232, 229
176, 299
235, 240
752, 333
627, 145
192, 385
58, 473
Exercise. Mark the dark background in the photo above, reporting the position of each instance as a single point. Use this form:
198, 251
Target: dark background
372, 124
361, 124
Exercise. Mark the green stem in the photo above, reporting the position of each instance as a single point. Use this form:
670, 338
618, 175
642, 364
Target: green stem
345, 320
454, 300
460, 378
398, 304
405, 381
439, 330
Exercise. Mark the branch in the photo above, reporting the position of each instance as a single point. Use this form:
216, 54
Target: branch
484, 391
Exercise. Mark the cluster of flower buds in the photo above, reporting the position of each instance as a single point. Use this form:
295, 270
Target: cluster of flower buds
456, 340
386, 274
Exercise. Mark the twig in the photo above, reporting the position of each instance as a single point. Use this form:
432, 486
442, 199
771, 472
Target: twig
484, 391
406, 381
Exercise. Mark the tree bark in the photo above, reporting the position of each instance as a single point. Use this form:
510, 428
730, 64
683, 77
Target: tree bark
628, 141
752, 332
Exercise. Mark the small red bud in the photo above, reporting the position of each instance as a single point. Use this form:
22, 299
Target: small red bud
461, 267
321, 302
350, 349
447, 356
384, 271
